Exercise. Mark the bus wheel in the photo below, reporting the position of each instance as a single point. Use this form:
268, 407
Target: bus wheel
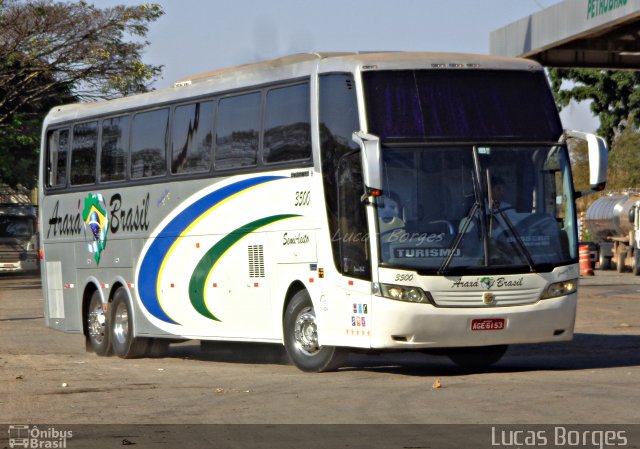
122, 340
301, 338
476, 358
97, 326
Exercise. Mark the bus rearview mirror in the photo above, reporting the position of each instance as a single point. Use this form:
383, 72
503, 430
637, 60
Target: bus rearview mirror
598, 159
371, 159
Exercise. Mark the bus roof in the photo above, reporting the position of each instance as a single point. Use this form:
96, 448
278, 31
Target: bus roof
287, 67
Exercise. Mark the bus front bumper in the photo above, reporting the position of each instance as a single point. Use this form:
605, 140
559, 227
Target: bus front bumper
404, 325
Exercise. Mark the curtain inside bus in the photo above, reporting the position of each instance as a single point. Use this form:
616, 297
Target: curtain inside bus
461, 105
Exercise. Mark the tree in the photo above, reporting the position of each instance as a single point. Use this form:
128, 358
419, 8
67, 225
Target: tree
20, 139
58, 52
624, 163
615, 96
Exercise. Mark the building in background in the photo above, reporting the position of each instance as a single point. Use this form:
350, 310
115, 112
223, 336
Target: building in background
576, 33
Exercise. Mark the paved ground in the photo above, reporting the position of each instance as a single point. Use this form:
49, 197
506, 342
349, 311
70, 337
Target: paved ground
46, 377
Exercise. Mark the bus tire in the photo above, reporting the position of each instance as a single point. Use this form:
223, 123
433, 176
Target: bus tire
124, 344
98, 338
476, 358
301, 338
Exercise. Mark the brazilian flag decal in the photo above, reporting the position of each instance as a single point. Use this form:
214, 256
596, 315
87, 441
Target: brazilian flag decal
95, 218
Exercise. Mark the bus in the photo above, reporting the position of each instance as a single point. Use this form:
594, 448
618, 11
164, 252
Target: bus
328, 202
18, 233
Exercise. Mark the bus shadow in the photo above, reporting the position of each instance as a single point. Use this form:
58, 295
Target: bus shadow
586, 351
231, 352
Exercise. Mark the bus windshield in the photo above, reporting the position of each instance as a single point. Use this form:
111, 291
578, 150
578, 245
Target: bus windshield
462, 209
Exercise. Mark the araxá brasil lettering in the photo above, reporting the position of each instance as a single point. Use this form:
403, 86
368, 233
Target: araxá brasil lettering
64, 224
500, 282
121, 217
131, 219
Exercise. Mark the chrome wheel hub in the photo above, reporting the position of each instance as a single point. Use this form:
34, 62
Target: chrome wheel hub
97, 321
306, 333
121, 323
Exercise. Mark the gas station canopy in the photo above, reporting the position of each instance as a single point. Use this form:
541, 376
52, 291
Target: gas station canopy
576, 33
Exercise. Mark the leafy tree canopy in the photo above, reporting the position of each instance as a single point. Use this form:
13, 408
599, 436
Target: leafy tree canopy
624, 167
54, 52
615, 96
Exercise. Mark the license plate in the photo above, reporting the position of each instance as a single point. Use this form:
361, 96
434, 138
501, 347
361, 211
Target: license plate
487, 324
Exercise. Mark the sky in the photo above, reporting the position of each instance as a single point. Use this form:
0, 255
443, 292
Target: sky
196, 36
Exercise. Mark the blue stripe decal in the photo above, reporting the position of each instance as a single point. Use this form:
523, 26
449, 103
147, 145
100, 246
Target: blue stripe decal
150, 265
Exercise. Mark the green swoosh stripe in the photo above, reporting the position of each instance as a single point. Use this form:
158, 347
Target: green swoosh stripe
199, 277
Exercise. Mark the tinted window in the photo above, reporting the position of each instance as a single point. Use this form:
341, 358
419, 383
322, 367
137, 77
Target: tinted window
114, 144
192, 138
341, 175
237, 131
57, 147
287, 135
149, 144
471, 105
83, 153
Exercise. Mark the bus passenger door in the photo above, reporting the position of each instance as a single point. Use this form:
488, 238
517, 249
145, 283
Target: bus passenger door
354, 287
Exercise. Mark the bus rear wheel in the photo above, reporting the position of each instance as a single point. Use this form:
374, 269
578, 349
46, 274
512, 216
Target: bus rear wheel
97, 326
476, 358
301, 338
124, 344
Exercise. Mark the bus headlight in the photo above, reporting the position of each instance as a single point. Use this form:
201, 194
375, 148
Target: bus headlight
401, 293
560, 289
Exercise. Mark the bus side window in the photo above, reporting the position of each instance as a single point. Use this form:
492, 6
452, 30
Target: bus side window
192, 138
56, 158
114, 147
84, 150
237, 131
287, 134
149, 144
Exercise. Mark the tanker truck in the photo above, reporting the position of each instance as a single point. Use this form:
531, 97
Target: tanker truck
614, 223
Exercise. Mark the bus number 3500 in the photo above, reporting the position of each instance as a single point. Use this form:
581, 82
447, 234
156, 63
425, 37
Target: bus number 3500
303, 198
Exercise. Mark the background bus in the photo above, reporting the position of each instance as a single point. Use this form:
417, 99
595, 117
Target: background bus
18, 232
322, 201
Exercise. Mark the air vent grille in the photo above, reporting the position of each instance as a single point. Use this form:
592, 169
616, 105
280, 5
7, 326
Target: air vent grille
256, 261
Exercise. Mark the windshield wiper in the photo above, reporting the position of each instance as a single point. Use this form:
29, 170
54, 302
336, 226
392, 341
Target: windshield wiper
459, 237
519, 243
485, 228
478, 204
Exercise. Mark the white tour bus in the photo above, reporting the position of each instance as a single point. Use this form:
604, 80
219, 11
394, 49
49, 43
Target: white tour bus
389, 201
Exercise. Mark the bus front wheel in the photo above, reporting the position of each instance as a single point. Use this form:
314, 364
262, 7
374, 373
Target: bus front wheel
301, 338
98, 326
124, 344
476, 358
